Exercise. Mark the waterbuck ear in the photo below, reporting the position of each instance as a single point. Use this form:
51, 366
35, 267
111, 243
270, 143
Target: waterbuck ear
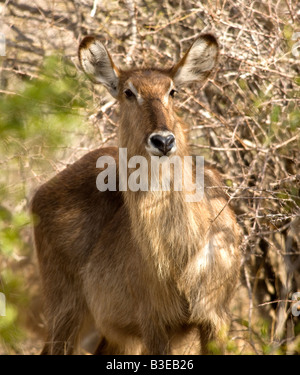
97, 63
198, 62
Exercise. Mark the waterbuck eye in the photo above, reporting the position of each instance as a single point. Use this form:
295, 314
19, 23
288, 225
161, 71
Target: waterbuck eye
128, 93
173, 92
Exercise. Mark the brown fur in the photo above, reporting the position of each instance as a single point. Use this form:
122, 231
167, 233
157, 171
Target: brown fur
146, 267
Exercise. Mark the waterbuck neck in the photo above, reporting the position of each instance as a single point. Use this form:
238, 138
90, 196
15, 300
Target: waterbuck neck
166, 227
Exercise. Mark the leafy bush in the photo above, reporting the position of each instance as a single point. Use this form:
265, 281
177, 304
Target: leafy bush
35, 121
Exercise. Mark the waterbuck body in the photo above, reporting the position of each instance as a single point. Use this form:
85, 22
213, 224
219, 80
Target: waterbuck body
145, 266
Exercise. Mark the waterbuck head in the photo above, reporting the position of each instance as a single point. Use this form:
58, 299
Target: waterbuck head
149, 125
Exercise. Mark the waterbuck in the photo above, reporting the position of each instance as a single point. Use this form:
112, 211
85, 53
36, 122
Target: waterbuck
146, 266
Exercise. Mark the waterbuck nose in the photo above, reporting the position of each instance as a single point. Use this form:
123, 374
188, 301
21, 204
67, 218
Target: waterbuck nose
163, 143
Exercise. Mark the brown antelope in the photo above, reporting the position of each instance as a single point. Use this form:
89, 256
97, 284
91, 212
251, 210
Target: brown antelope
145, 266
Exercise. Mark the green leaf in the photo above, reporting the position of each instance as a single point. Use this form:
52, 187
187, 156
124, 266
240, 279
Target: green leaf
294, 118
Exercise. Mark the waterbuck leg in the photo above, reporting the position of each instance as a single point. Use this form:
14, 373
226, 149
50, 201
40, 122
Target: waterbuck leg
65, 312
157, 342
107, 348
207, 332
62, 336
